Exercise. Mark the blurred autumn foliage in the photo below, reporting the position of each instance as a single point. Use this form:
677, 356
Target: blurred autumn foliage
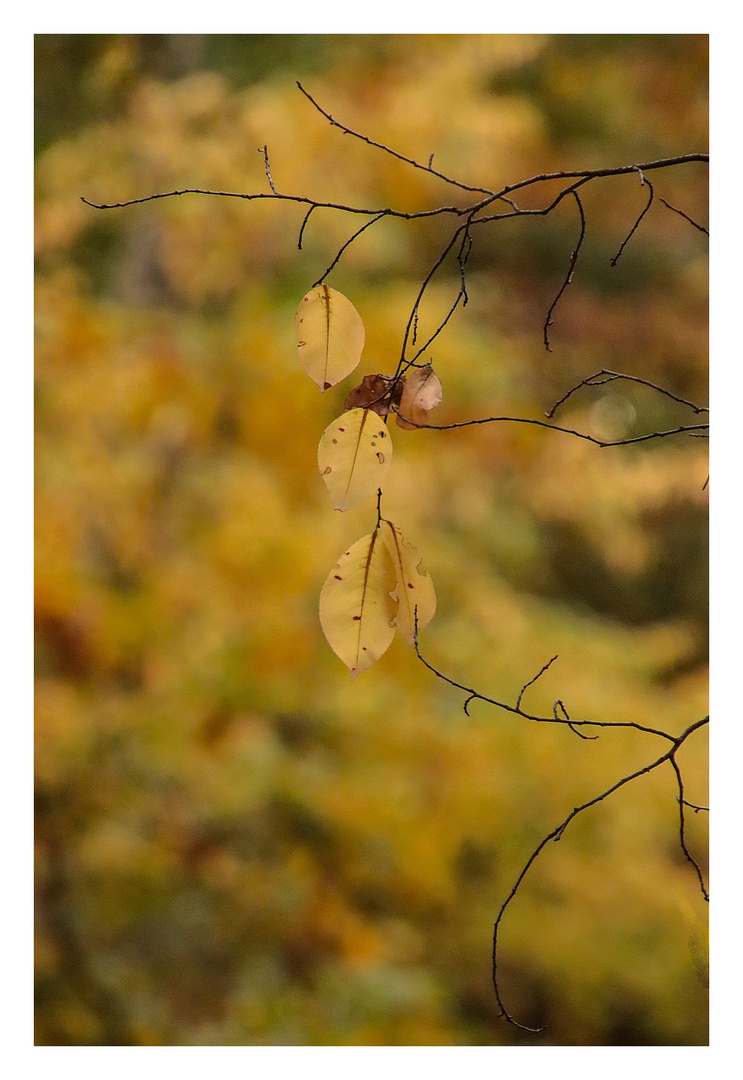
236, 844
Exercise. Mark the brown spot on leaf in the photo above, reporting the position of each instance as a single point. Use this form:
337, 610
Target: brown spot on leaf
381, 458
357, 618
326, 471
339, 578
327, 385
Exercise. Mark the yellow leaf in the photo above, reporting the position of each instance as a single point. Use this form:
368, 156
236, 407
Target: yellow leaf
414, 586
421, 393
356, 610
330, 335
353, 457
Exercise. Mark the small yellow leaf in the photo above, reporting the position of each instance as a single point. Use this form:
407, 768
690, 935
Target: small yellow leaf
414, 586
356, 609
353, 456
330, 335
421, 393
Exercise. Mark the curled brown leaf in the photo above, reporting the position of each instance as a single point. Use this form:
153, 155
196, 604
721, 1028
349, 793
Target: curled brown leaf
421, 393
373, 392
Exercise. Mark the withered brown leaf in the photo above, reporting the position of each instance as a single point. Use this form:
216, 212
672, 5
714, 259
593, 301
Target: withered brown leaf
422, 392
371, 391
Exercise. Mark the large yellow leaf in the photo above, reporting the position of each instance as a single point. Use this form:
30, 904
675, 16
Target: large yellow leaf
354, 456
414, 586
356, 609
330, 335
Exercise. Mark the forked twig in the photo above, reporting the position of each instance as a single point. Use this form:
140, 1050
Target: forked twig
601, 378
680, 430
557, 833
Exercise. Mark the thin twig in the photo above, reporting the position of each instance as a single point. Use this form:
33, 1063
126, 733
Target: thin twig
304, 225
403, 363
682, 827
348, 243
462, 257
626, 240
392, 153
601, 378
435, 334
317, 204
685, 216
571, 725
461, 297
571, 269
264, 150
532, 681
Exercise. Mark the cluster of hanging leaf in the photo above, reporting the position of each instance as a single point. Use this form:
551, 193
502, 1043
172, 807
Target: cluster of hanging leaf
379, 585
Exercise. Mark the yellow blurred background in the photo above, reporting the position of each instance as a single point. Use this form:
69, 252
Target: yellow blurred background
236, 844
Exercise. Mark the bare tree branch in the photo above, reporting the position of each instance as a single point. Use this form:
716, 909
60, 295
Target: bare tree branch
601, 378
472, 213
516, 710
682, 429
557, 834
460, 245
